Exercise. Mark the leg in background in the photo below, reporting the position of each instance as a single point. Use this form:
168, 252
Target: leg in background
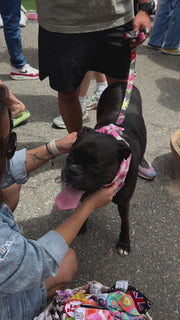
70, 110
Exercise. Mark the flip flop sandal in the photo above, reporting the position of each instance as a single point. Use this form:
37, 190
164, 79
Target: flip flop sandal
175, 144
21, 117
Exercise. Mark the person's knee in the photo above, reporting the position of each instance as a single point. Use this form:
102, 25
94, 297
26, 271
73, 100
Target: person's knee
11, 195
68, 266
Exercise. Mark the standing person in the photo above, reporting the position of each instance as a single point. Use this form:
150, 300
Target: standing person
10, 11
31, 271
76, 37
166, 31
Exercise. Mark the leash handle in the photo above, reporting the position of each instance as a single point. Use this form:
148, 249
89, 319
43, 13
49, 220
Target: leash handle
139, 35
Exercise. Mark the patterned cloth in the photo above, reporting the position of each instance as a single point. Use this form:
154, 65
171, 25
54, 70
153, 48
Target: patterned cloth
116, 132
129, 87
120, 305
96, 301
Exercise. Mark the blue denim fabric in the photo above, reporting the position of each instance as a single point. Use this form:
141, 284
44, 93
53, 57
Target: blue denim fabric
16, 172
24, 265
166, 30
10, 11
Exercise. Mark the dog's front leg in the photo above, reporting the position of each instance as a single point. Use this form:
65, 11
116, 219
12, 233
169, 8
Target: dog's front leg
123, 245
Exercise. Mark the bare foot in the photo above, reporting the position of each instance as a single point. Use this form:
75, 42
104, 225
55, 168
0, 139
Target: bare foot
17, 106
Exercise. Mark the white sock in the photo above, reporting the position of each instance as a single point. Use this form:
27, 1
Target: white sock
100, 87
82, 102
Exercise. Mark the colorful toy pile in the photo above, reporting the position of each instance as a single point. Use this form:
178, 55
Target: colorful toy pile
97, 302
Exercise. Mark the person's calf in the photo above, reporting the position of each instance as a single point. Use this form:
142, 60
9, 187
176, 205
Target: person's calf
70, 110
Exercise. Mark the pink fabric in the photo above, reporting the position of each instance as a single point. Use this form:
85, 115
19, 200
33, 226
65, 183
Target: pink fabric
112, 129
116, 132
121, 174
68, 198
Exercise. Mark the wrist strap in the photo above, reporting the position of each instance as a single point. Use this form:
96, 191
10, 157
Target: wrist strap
48, 149
54, 150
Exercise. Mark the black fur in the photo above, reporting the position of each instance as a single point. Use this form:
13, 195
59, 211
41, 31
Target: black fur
95, 157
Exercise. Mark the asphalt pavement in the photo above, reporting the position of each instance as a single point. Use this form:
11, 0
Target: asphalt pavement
153, 264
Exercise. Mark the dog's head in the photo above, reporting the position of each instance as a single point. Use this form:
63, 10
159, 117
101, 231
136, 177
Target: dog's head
94, 160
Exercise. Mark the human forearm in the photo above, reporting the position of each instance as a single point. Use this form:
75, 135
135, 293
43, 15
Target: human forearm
40, 155
36, 158
70, 227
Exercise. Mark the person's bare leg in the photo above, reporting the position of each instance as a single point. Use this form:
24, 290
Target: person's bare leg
85, 84
70, 110
66, 272
100, 77
17, 106
11, 195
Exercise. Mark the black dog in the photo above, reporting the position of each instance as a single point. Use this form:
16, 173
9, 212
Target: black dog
95, 157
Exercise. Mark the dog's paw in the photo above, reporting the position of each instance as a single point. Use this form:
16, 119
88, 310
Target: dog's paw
122, 252
123, 249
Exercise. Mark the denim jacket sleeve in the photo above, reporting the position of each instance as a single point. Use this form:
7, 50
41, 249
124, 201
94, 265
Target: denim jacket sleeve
17, 167
16, 171
25, 264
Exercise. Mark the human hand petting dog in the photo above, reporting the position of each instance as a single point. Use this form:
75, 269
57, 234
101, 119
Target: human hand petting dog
102, 197
64, 144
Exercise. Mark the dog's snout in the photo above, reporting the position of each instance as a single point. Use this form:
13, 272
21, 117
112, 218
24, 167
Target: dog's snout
70, 173
74, 170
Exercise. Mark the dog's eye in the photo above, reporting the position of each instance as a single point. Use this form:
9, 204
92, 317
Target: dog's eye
79, 134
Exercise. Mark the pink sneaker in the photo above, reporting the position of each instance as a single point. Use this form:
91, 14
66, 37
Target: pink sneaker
145, 170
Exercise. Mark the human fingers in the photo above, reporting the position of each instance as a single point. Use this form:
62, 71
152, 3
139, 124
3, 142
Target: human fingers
64, 145
141, 22
104, 196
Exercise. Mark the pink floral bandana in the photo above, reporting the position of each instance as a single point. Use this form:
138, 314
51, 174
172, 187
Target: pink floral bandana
116, 132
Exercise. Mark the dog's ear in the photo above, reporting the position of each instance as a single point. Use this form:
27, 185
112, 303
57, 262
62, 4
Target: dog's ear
84, 130
123, 150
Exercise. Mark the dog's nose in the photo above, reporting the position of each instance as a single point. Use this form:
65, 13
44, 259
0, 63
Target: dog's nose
74, 170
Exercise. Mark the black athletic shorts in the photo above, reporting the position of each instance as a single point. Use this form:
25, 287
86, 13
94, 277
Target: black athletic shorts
65, 58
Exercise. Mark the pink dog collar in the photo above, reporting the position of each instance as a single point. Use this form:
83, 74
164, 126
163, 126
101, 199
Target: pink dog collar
116, 132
